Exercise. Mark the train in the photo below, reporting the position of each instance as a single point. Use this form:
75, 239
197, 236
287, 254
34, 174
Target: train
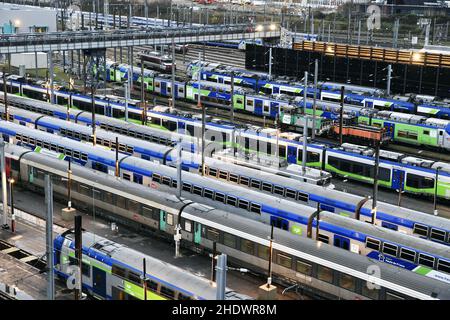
397, 172
112, 271
403, 128
266, 181
363, 97
157, 61
319, 269
294, 217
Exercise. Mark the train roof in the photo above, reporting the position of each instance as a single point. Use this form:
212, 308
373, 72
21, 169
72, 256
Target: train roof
392, 277
181, 279
390, 236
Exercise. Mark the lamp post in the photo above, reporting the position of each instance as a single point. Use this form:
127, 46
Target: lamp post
11, 203
435, 211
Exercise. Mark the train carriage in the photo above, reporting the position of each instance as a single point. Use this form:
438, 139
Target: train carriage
317, 267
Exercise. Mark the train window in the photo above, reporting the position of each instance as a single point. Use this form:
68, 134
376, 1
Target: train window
166, 181
284, 260
229, 240
244, 181
231, 201
86, 270
147, 212
234, 178
247, 246
186, 186
278, 190
134, 206
121, 202
443, 266
325, 274
303, 197
256, 208
419, 182
174, 183
347, 282
133, 277
126, 176
290, 193
243, 204
256, 184
263, 252
420, 229
282, 151
118, 271
169, 293
53, 146
170, 219
33, 141
426, 260
207, 193
407, 254
212, 234
76, 154
370, 292
437, 234
390, 249
373, 244
219, 197
130, 149
407, 134
183, 297
391, 296
46, 144
197, 190
223, 174
85, 190
323, 238
156, 177
212, 172
60, 149
152, 285
303, 267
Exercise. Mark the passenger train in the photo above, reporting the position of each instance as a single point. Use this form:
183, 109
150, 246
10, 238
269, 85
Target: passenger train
409, 175
113, 271
346, 233
318, 269
408, 129
360, 96
282, 184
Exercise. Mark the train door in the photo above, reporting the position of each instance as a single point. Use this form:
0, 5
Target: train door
441, 138
137, 178
341, 242
398, 178
390, 129
274, 109
258, 107
162, 220
197, 232
99, 281
275, 89
163, 88
369, 104
279, 223
292, 154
